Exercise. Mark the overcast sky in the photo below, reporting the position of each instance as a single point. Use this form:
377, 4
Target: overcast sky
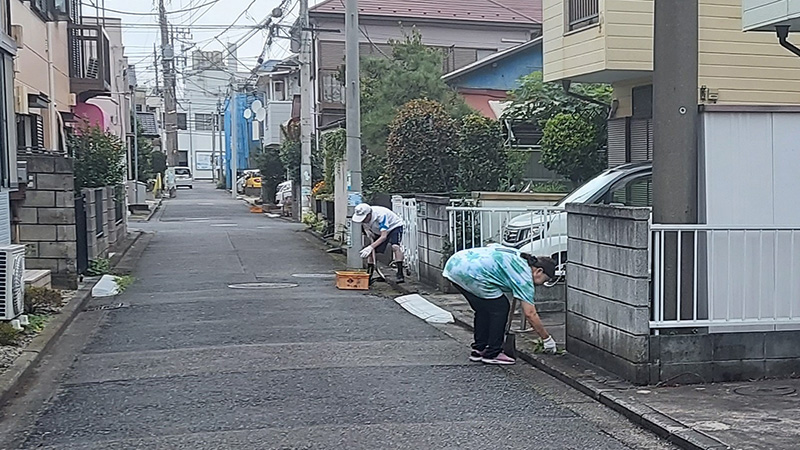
205, 23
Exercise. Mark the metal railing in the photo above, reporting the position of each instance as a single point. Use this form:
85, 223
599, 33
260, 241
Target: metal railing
474, 226
725, 277
406, 208
583, 13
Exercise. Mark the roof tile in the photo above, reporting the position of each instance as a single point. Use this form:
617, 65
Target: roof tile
498, 11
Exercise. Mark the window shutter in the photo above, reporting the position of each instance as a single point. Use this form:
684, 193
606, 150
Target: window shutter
39, 133
641, 140
617, 141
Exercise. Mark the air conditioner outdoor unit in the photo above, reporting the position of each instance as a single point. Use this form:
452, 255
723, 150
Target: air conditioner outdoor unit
12, 281
21, 105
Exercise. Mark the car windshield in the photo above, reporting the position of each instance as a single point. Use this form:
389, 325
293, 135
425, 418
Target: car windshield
180, 171
584, 193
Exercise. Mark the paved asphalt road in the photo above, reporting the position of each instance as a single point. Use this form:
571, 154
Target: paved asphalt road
194, 364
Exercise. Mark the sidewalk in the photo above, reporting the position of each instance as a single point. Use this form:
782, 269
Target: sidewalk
749, 415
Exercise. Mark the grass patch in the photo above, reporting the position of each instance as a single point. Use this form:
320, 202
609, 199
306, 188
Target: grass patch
98, 267
42, 300
124, 282
8, 335
37, 322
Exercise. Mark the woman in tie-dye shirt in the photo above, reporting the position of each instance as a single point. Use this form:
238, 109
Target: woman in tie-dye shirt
484, 275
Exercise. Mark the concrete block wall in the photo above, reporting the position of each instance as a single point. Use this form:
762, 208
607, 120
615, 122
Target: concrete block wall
96, 238
46, 219
608, 293
433, 224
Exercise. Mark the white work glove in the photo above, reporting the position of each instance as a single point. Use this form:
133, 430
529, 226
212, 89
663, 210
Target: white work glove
550, 345
367, 251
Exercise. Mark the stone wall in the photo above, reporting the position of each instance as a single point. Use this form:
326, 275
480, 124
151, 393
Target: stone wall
433, 224
47, 219
608, 288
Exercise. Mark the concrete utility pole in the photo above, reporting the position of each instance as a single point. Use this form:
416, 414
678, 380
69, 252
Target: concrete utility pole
353, 100
305, 108
170, 103
234, 136
221, 123
214, 124
135, 126
675, 135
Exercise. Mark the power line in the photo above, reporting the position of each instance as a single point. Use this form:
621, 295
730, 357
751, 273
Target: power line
92, 4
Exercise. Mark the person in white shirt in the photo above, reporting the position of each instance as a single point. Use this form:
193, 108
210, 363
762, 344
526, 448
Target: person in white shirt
384, 228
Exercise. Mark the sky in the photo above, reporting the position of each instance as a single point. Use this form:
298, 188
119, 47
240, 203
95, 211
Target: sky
205, 23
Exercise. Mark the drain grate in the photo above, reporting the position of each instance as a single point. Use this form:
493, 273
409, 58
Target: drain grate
326, 276
752, 391
106, 307
262, 286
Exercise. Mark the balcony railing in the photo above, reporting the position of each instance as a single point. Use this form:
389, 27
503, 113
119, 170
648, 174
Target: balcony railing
89, 65
583, 13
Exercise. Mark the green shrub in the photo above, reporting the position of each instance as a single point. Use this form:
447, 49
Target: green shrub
41, 300
8, 335
98, 267
483, 162
36, 323
99, 158
570, 147
124, 282
422, 149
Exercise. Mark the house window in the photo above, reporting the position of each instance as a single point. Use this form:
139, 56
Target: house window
182, 121
30, 133
138, 108
582, 13
8, 140
643, 101
204, 122
332, 89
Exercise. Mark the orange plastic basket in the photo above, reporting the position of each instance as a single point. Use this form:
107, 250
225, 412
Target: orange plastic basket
352, 280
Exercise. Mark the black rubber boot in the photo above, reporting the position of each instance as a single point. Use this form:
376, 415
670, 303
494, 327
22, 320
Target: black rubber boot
401, 276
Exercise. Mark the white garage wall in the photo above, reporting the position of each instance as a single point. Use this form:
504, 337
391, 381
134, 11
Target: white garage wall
751, 173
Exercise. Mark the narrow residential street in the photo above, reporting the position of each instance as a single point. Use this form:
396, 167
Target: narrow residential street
189, 362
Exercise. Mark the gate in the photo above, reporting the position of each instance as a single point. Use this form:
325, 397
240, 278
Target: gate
80, 234
406, 208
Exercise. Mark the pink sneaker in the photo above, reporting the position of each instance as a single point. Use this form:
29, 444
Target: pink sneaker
500, 360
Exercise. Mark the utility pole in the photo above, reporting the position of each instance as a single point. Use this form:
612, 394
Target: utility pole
214, 125
675, 152
221, 122
135, 125
155, 65
353, 99
305, 108
170, 103
234, 136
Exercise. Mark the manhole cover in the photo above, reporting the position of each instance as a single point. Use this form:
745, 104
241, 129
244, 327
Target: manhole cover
753, 391
315, 275
106, 307
262, 286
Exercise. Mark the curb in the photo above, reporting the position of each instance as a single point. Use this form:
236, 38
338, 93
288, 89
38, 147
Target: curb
573, 372
20, 370
153, 212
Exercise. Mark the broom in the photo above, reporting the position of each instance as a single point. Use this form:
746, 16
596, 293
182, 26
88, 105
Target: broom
510, 342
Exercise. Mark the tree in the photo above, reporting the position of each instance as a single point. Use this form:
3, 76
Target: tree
421, 149
334, 147
99, 158
570, 147
145, 170
290, 154
268, 161
482, 157
575, 153
412, 71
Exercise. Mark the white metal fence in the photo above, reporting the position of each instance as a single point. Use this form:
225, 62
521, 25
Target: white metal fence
725, 278
473, 226
406, 208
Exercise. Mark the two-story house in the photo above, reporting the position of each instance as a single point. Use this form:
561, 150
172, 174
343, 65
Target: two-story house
8, 141
611, 41
465, 30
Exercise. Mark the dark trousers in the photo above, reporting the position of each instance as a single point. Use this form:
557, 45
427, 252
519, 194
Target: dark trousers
490, 322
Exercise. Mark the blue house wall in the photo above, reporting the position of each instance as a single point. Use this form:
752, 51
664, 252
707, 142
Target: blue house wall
237, 105
503, 74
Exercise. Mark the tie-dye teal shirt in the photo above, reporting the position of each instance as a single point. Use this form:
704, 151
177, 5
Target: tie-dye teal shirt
488, 272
